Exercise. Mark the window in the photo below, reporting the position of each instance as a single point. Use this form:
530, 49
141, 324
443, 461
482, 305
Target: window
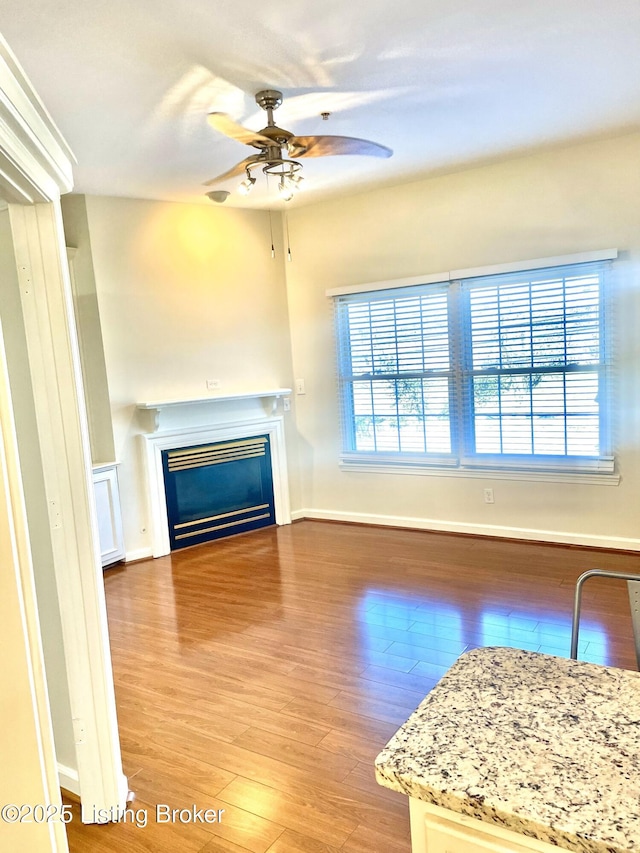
500, 371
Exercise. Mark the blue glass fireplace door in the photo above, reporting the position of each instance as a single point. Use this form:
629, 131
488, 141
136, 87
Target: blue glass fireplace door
215, 490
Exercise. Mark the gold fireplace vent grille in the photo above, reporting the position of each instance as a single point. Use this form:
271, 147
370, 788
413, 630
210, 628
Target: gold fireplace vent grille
234, 523
215, 454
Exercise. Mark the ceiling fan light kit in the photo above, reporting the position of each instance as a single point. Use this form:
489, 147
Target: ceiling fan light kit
278, 148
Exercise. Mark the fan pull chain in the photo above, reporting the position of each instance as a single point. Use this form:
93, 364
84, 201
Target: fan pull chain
286, 226
273, 248
286, 220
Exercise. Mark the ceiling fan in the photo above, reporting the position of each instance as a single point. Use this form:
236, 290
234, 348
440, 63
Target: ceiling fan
279, 149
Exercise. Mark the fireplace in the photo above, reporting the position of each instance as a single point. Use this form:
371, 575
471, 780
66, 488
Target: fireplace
216, 490
188, 434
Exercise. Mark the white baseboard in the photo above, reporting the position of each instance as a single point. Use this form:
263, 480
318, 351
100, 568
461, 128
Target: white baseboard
560, 537
138, 554
69, 779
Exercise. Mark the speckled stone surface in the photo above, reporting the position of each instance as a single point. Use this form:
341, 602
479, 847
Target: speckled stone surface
541, 745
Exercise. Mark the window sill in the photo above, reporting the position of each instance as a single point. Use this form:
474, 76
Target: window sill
588, 478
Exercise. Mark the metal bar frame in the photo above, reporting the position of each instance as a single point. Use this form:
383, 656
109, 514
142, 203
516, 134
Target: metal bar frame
633, 585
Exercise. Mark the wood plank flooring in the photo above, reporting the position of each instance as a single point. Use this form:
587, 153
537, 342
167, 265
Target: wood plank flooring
262, 674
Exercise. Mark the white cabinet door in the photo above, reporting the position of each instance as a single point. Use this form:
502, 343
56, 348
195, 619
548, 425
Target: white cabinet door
438, 830
105, 486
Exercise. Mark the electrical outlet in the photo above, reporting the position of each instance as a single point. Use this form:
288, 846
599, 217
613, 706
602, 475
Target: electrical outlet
213, 384
300, 386
286, 404
488, 496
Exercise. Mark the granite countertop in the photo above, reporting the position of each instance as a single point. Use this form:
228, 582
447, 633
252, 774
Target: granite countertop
541, 745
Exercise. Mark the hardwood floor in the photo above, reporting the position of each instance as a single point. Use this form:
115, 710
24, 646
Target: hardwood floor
262, 674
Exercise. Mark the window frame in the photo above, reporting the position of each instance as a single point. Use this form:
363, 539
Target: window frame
463, 459
347, 407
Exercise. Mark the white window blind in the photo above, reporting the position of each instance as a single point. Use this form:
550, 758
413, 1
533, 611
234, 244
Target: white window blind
506, 370
396, 371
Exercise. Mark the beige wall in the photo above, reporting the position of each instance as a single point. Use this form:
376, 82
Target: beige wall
581, 198
186, 293
20, 735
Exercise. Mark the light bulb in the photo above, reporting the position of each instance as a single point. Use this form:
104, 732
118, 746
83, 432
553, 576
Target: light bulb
286, 191
247, 185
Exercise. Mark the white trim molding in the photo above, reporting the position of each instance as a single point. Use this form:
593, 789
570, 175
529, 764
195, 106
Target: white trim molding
155, 443
69, 779
501, 531
138, 554
391, 284
35, 160
477, 272
63, 433
371, 466
158, 406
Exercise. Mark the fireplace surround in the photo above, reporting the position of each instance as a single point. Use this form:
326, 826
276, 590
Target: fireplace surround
215, 431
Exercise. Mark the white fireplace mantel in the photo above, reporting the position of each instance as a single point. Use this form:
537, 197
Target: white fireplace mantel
190, 435
233, 416
157, 406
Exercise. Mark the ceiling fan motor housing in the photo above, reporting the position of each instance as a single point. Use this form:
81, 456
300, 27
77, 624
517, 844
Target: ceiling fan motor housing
269, 99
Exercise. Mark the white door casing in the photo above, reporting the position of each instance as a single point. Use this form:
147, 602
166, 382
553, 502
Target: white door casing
35, 168
66, 460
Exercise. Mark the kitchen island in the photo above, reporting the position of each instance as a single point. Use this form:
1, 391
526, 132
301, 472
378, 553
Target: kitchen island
520, 751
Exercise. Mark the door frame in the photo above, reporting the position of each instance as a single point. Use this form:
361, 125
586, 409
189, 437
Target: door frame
35, 169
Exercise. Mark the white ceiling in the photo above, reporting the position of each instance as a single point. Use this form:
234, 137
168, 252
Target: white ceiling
444, 83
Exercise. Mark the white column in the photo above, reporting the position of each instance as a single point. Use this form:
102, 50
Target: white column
63, 433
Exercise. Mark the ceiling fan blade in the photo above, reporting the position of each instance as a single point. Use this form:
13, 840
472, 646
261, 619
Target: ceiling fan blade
225, 124
325, 146
238, 169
